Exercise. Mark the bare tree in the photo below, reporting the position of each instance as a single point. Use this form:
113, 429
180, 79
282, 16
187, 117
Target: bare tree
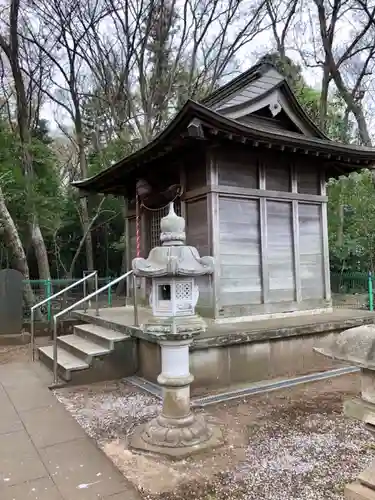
335, 61
65, 26
10, 236
11, 49
163, 52
281, 15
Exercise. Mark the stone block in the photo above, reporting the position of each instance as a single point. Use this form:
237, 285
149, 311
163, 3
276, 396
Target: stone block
357, 491
368, 385
367, 477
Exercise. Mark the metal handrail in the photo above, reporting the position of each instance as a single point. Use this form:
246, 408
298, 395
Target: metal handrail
82, 301
48, 299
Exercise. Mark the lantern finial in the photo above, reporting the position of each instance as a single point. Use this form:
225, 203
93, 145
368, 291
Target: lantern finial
172, 228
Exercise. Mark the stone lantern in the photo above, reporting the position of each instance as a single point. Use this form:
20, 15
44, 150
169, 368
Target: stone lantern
173, 268
356, 347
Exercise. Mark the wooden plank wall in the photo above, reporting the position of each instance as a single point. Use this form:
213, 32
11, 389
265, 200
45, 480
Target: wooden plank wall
308, 180
237, 168
311, 251
270, 250
280, 254
197, 235
278, 177
196, 225
193, 168
240, 259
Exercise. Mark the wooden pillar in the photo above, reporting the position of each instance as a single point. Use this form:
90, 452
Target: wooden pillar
324, 218
144, 252
127, 250
213, 228
183, 185
263, 235
296, 245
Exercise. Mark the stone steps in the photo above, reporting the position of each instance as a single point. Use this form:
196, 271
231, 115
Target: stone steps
100, 335
91, 348
66, 362
81, 347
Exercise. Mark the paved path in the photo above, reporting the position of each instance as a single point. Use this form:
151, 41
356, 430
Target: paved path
44, 453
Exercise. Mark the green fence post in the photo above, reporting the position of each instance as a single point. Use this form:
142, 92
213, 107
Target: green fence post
110, 294
370, 292
48, 295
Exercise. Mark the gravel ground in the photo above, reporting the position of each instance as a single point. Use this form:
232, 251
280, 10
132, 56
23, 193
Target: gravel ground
9, 354
19, 353
288, 445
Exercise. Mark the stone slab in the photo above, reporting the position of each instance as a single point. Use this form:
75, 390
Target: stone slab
83, 346
367, 477
17, 374
31, 466
101, 332
19, 461
128, 495
9, 420
23, 399
39, 489
51, 425
358, 409
16, 443
122, 319
64, 358
356, 491
81, 471
11, 301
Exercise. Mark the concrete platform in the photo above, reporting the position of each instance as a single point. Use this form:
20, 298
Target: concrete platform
44, 453
121, 319
228, 355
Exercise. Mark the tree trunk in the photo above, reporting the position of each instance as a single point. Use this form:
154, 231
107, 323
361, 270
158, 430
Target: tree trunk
324, 98
14, 244
345, 127
40, 250
86, 226
121, 287
86, 234
353, 106
340, 229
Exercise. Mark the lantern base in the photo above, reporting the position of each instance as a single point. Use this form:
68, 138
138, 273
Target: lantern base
176, 438
175, 327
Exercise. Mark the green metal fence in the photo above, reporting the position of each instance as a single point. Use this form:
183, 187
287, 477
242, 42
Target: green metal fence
46, 288
349, 291
352, 290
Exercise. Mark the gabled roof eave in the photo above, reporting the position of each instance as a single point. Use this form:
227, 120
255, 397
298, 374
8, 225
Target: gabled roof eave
211, 119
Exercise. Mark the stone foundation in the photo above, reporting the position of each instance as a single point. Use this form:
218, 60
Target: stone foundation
221, 367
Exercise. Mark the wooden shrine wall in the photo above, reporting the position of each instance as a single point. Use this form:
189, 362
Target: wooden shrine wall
263, 217
270, 235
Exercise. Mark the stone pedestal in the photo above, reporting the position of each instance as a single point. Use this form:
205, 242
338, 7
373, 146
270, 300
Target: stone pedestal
361, 409
368, 385
357, 347
173, 267
357, 491
177, 432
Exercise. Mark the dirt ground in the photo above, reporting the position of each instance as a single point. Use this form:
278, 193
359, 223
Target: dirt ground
19, 353
287, 445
